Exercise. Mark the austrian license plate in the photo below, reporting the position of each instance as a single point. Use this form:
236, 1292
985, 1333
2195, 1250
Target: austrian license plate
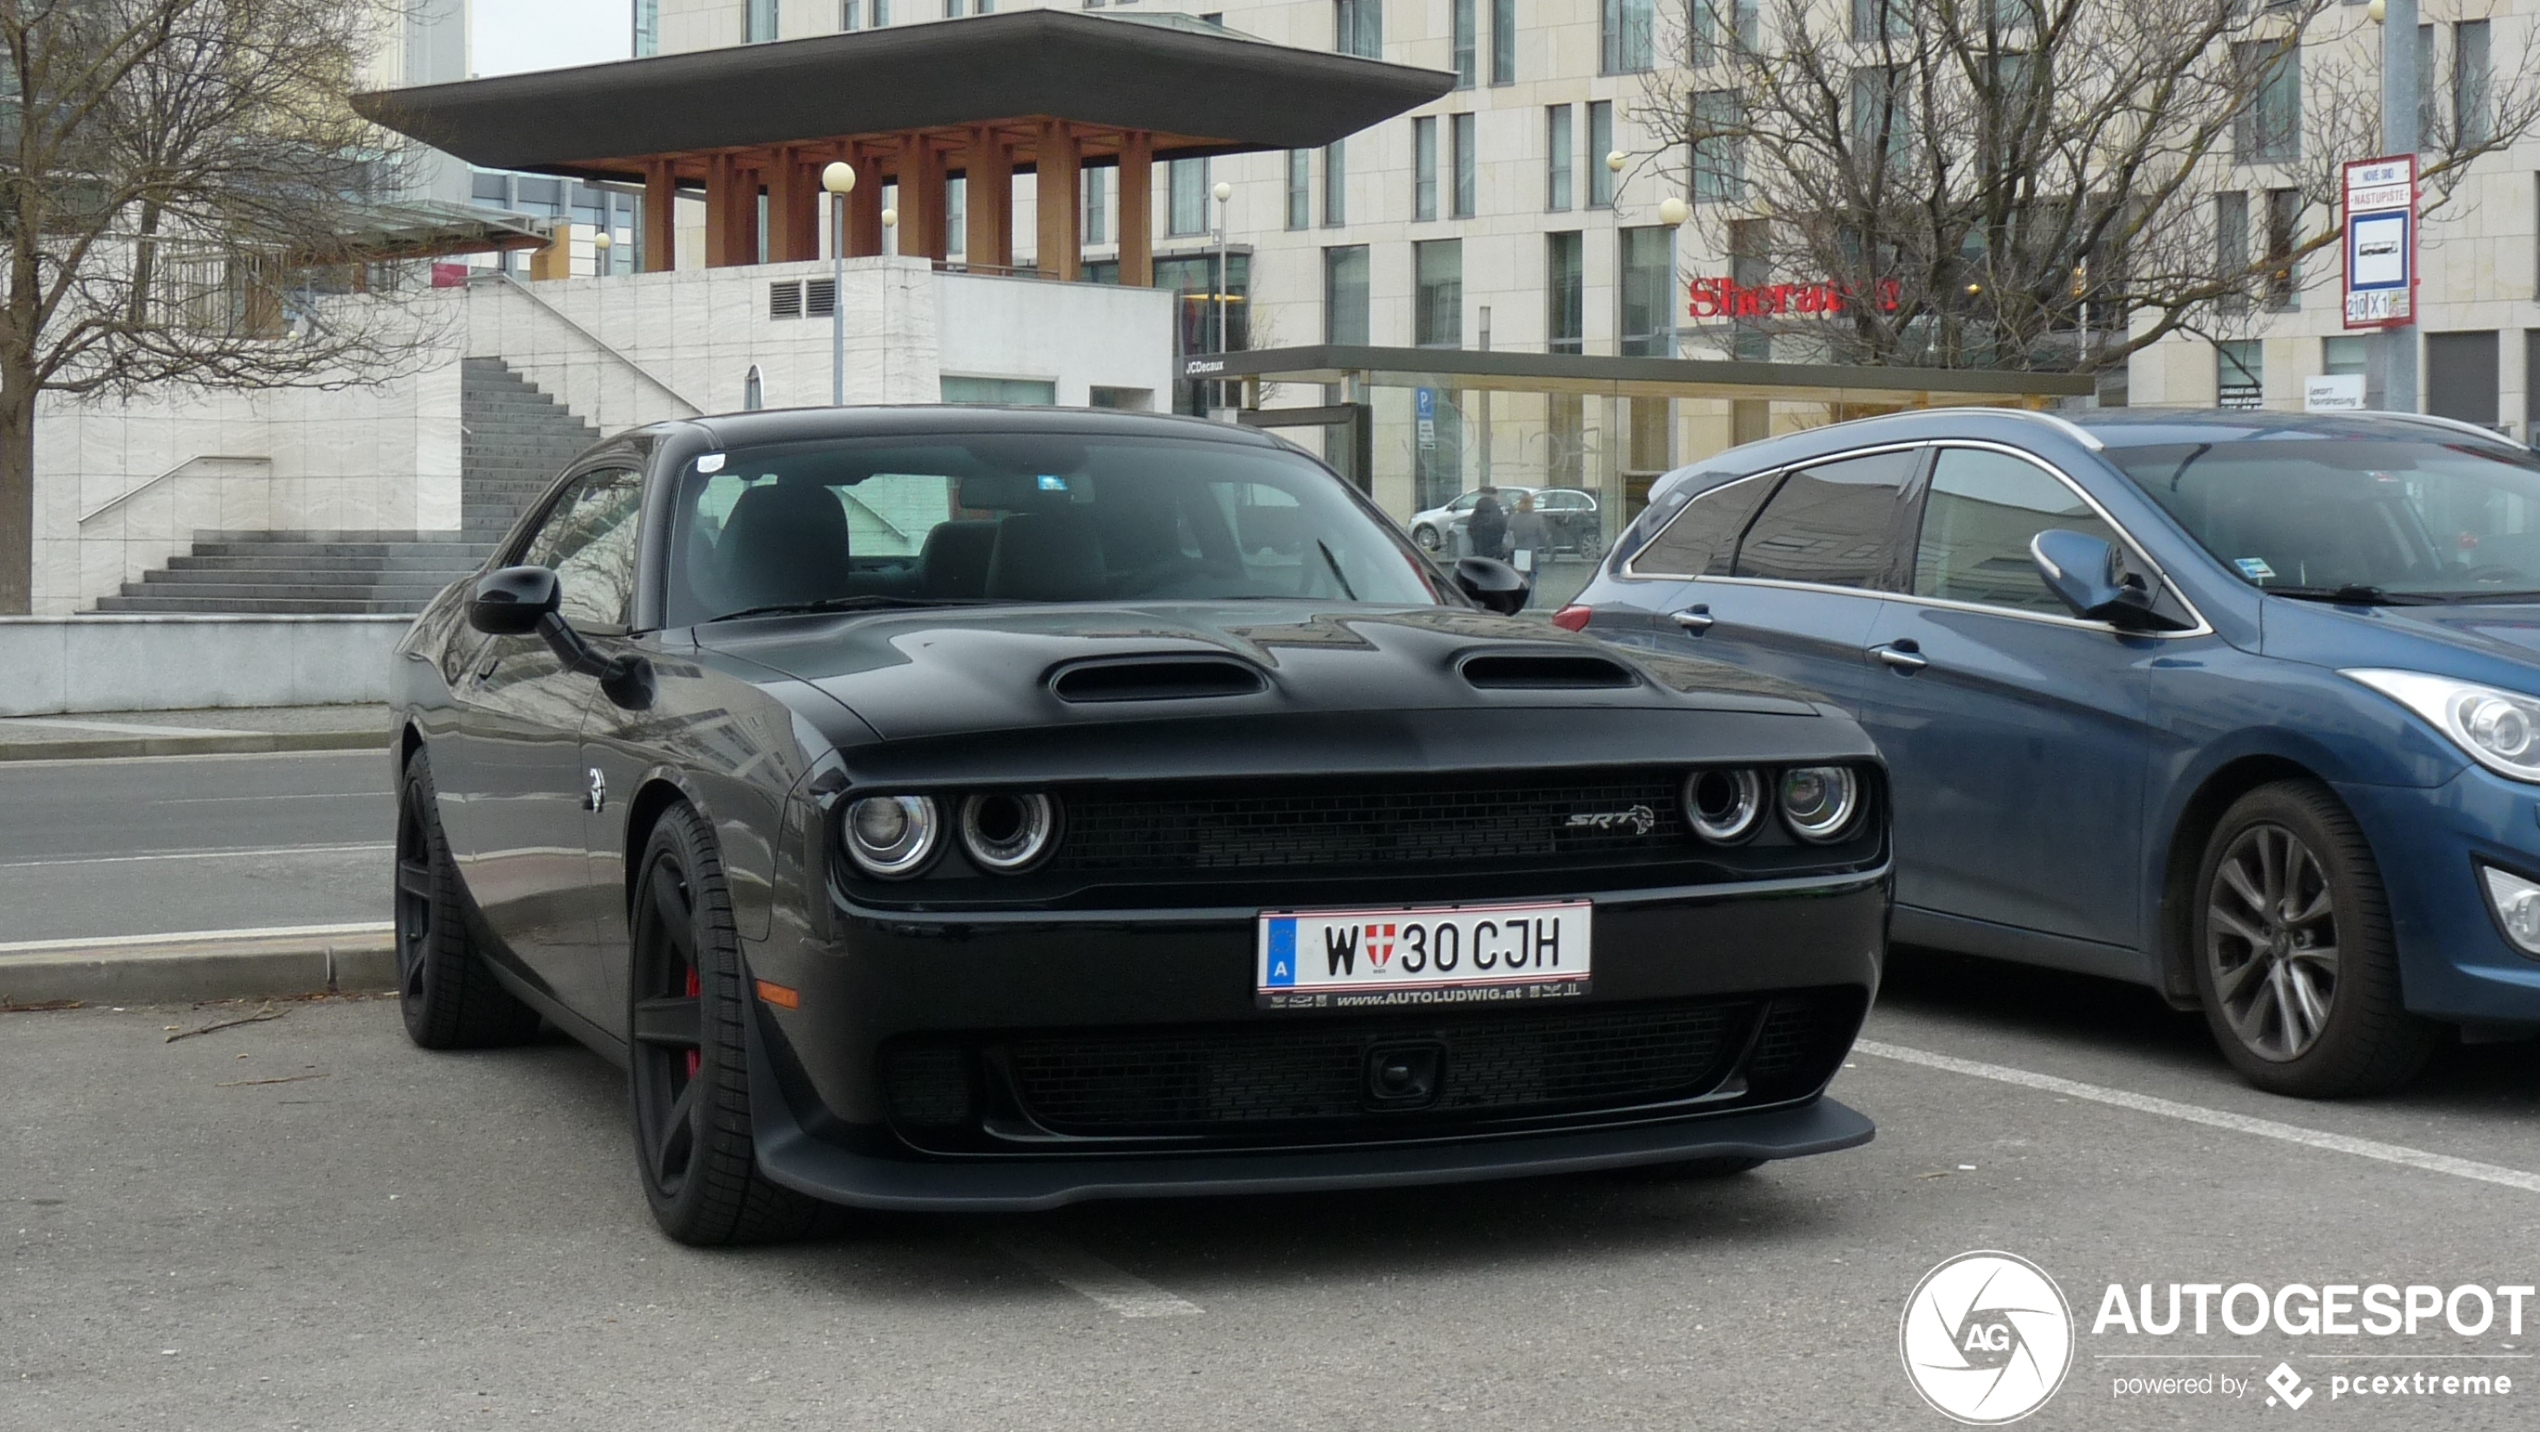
1447, 954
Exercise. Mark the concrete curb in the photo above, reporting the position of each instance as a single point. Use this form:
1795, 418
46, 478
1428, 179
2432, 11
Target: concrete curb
204, 965
245, 742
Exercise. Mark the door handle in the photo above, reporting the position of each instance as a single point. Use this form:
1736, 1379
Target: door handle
1902, 656
1695, 619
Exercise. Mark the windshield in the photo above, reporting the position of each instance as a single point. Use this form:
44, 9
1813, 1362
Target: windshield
2359, 517
1015, 517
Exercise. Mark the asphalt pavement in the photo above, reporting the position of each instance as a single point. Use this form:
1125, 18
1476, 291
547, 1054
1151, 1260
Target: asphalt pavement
304, 1222
145, 846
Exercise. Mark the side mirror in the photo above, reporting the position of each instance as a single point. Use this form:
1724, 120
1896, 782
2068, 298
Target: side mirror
1492, 584
2087, 575
512, 601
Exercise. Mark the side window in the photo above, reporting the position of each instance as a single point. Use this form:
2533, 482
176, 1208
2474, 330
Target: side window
588, 537
1982, 509
1701, 539
1830, 524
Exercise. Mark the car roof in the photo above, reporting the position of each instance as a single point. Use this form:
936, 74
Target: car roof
777, 425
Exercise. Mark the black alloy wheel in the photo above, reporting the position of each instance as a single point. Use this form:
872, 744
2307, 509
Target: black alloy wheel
449, 998
2296, 961
687, 1070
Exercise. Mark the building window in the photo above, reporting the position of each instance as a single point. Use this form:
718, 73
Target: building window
1359, 28
759, 22
2231, 245
1718, 173
1646, 293
1097, 206
1300, 188
2284, 277
1561, 154
1186, 197
1335, 185
1345, 295
850, 15
1438, 302
956, 218
647, 28
1503, 42
881, 13
2240, 374
1881, 19
1424, 167
1882, 122
1628, 33
1565, 293
2269, 129
1723, 29
2344, 357
1600, 144
1461, 129
1468, 43
1751, 266
2472, 113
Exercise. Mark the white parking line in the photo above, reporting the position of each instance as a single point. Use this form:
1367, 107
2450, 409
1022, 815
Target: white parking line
197, 937
258, 853
2213, 1118
1072, 1267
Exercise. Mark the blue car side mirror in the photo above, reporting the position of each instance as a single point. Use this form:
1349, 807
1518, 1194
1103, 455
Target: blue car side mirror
2087, 574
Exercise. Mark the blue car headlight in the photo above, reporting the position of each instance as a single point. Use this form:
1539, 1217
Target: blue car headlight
2498, 729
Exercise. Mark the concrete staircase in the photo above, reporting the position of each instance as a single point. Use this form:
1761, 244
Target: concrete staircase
516, 440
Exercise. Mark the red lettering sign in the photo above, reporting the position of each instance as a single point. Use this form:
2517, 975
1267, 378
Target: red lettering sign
1727, 298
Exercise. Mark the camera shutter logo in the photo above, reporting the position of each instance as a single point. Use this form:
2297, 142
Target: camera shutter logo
1986, 1338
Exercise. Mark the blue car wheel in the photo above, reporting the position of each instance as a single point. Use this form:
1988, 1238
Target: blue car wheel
2296, 961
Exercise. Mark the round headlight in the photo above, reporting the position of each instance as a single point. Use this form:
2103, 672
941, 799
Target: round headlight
2502, 727
1724, 805
1818, 801
891, 836
1008, 833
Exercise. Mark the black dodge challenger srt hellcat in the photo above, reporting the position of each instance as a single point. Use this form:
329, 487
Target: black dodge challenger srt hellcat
966, 808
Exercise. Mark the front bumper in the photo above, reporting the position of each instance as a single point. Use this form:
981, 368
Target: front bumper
2455, 963
870, 983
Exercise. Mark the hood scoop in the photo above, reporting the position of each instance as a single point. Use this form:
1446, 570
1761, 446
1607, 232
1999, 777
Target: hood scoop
1156, 678
1545, 671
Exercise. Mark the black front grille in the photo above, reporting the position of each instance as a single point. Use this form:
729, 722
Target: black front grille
1357, 824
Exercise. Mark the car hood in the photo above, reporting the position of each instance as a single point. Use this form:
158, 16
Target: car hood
950, 671
2491, 642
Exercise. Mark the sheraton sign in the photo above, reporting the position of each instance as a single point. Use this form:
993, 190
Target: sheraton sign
1727, 298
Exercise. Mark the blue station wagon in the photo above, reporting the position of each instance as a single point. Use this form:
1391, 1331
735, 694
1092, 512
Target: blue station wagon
2241, 706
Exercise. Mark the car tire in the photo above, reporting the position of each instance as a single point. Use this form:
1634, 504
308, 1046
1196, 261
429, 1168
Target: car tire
687, 1073
1426, 536
2296, 962
446, 992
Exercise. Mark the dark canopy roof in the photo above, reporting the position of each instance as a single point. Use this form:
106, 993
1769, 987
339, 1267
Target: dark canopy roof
1198, 89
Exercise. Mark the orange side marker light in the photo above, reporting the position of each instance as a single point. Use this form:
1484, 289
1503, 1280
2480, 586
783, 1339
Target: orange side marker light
779, 996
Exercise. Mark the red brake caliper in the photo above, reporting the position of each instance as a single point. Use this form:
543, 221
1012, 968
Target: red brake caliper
696, 1058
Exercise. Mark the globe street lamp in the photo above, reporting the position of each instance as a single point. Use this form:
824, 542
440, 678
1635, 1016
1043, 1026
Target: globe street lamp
839, 179
600, 245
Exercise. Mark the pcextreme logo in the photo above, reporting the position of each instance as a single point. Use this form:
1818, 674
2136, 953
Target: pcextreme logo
1986, 1338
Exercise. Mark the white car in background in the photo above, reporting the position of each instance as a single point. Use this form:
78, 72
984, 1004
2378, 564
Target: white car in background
1571, 513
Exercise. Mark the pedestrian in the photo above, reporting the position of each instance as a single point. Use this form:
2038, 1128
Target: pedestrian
1529, 542
1488, 531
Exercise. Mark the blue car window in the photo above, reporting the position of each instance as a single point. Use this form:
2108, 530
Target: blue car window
1982, 509
1832, 525
1701, 539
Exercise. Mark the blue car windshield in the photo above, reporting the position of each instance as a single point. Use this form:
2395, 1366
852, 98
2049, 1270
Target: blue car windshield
1022, 517
2362, 519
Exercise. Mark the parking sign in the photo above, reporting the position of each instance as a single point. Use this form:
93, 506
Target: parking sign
2381, 249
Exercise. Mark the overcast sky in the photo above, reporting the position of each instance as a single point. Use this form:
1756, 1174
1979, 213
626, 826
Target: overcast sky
514, 35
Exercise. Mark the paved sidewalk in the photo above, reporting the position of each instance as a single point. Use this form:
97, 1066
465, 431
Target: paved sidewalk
91, 735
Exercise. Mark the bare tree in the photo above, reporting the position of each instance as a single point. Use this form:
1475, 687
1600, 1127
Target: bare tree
182, 184
2031, 183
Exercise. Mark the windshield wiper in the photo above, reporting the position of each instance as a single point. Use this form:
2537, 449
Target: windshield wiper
1335, 564
2354, 594
870, 602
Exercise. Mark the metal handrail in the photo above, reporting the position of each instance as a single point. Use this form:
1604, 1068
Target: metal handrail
695, 409
129, 493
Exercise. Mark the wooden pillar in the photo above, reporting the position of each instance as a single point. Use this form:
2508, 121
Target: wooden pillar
990, 239
661, 217
922, 217
745, 185
719, 185
1137, 211
793, 208
1059, 207
864, 206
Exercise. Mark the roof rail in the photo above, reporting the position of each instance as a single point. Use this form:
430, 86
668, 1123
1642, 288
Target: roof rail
2455, 424
2066, 426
